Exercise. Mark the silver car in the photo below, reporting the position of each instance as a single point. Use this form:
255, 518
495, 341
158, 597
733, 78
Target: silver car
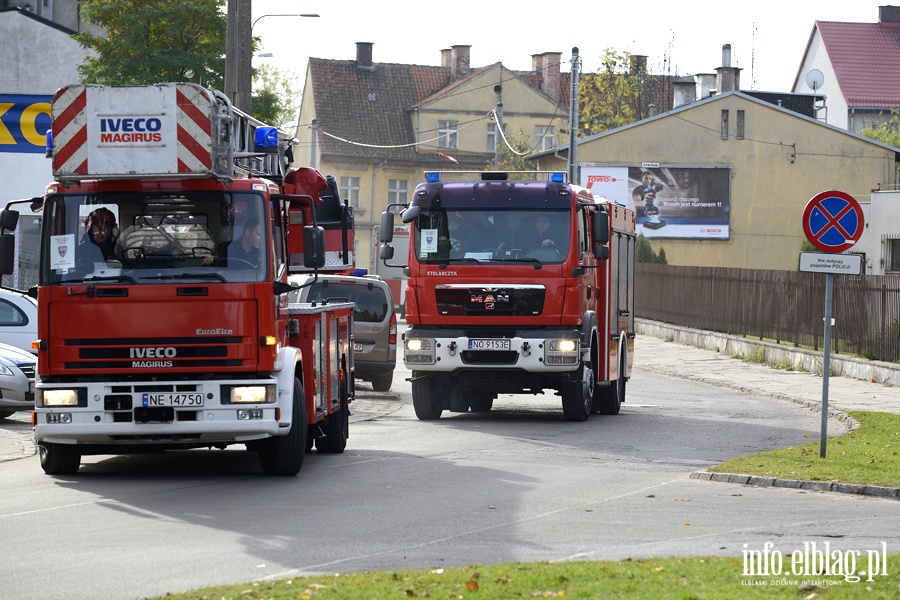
374, 321
18, 320
17, 369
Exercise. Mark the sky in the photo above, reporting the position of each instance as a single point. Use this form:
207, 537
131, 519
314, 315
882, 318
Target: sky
767, 37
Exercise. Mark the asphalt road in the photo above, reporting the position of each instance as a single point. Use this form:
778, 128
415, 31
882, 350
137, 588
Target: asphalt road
519, 483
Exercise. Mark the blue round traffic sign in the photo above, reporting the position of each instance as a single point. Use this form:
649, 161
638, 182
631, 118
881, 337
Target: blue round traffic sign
833, 221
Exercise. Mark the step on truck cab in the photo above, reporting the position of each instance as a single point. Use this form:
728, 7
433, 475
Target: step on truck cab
517, 283
163, 314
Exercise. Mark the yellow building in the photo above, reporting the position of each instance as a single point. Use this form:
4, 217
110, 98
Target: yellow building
735, 174
377, 127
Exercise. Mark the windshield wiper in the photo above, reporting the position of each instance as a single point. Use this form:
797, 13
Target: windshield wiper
214, 275
127, 278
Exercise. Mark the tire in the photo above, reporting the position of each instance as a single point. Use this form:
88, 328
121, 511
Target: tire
382, 383
428, 399
336, 428
575, 402
283, 455
481, 403
610, 399
59, 459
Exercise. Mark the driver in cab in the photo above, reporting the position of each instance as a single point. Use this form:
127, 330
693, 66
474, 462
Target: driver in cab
241, 252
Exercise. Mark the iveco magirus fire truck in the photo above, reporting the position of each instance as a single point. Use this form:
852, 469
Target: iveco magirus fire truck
516, 286
165, 251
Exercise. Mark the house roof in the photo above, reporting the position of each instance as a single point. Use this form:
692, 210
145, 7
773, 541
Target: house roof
866, 61
711, 99
369, 105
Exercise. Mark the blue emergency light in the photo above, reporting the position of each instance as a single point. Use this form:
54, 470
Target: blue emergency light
558, 177
49, 146
432, 177
266, 139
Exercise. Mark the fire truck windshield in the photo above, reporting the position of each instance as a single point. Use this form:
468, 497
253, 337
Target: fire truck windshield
153, 237
506, 235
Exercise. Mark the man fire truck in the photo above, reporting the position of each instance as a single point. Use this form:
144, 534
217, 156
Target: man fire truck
516, 286
164, 320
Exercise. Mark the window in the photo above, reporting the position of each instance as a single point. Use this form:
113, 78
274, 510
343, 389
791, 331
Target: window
740, 125
398, 191
724, 124
350, 190
893, 255
543, 137
448, 132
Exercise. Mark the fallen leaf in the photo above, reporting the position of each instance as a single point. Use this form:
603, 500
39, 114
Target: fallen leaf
737, 494
687, 522
472, 585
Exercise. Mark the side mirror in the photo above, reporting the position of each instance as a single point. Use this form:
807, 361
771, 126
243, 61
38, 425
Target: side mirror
7, 253
411, 214
601, 252
387, 226
9, 219
313, 247
386, 252
600, 227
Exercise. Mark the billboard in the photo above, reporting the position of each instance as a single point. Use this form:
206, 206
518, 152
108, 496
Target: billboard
669, 202
24, 121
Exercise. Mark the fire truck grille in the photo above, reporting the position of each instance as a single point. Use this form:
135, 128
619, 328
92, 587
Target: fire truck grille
166, 353
490, 301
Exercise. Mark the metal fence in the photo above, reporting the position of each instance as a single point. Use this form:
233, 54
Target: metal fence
781, 306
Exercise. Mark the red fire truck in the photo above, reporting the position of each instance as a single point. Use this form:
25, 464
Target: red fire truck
166, 246
516, 286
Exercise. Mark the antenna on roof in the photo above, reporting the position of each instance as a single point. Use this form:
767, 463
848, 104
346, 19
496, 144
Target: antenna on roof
815, 80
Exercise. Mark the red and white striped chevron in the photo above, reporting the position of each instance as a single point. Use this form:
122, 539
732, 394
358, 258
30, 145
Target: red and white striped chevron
181, 146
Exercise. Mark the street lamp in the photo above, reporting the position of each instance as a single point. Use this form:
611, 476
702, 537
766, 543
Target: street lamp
238, 52
256, 20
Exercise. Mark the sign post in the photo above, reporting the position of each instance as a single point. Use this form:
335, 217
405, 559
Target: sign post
833, 222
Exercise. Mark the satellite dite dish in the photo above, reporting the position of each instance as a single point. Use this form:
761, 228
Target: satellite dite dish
815, 79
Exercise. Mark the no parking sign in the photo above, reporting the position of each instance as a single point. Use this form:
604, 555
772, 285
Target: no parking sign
833, 221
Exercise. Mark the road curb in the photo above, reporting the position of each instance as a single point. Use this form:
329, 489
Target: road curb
877, 491
14, 447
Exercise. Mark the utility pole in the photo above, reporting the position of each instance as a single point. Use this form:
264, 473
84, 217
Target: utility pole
238, 55
573, 118
498, 113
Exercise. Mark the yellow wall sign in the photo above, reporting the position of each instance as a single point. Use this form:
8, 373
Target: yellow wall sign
24, 121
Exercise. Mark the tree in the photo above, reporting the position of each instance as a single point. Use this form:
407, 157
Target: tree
153, 41
605, 99
511, 153
275, 97
643, 252
886, 132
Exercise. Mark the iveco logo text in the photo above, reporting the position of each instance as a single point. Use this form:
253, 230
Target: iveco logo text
153, 352
219, 331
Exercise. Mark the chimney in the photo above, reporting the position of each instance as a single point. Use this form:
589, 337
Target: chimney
445, 57
889, 14
364, 55
459, 62
728, 78
550, 73
685, 91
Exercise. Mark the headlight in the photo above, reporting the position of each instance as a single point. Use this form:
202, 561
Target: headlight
561, 352
57, 398
252, 394
4, 370
419, 351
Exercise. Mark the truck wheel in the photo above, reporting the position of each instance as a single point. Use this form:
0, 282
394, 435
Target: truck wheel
481, 403
335, 428
609, 400
428, 397
59, 459
382, 383
576, 402
283, 455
